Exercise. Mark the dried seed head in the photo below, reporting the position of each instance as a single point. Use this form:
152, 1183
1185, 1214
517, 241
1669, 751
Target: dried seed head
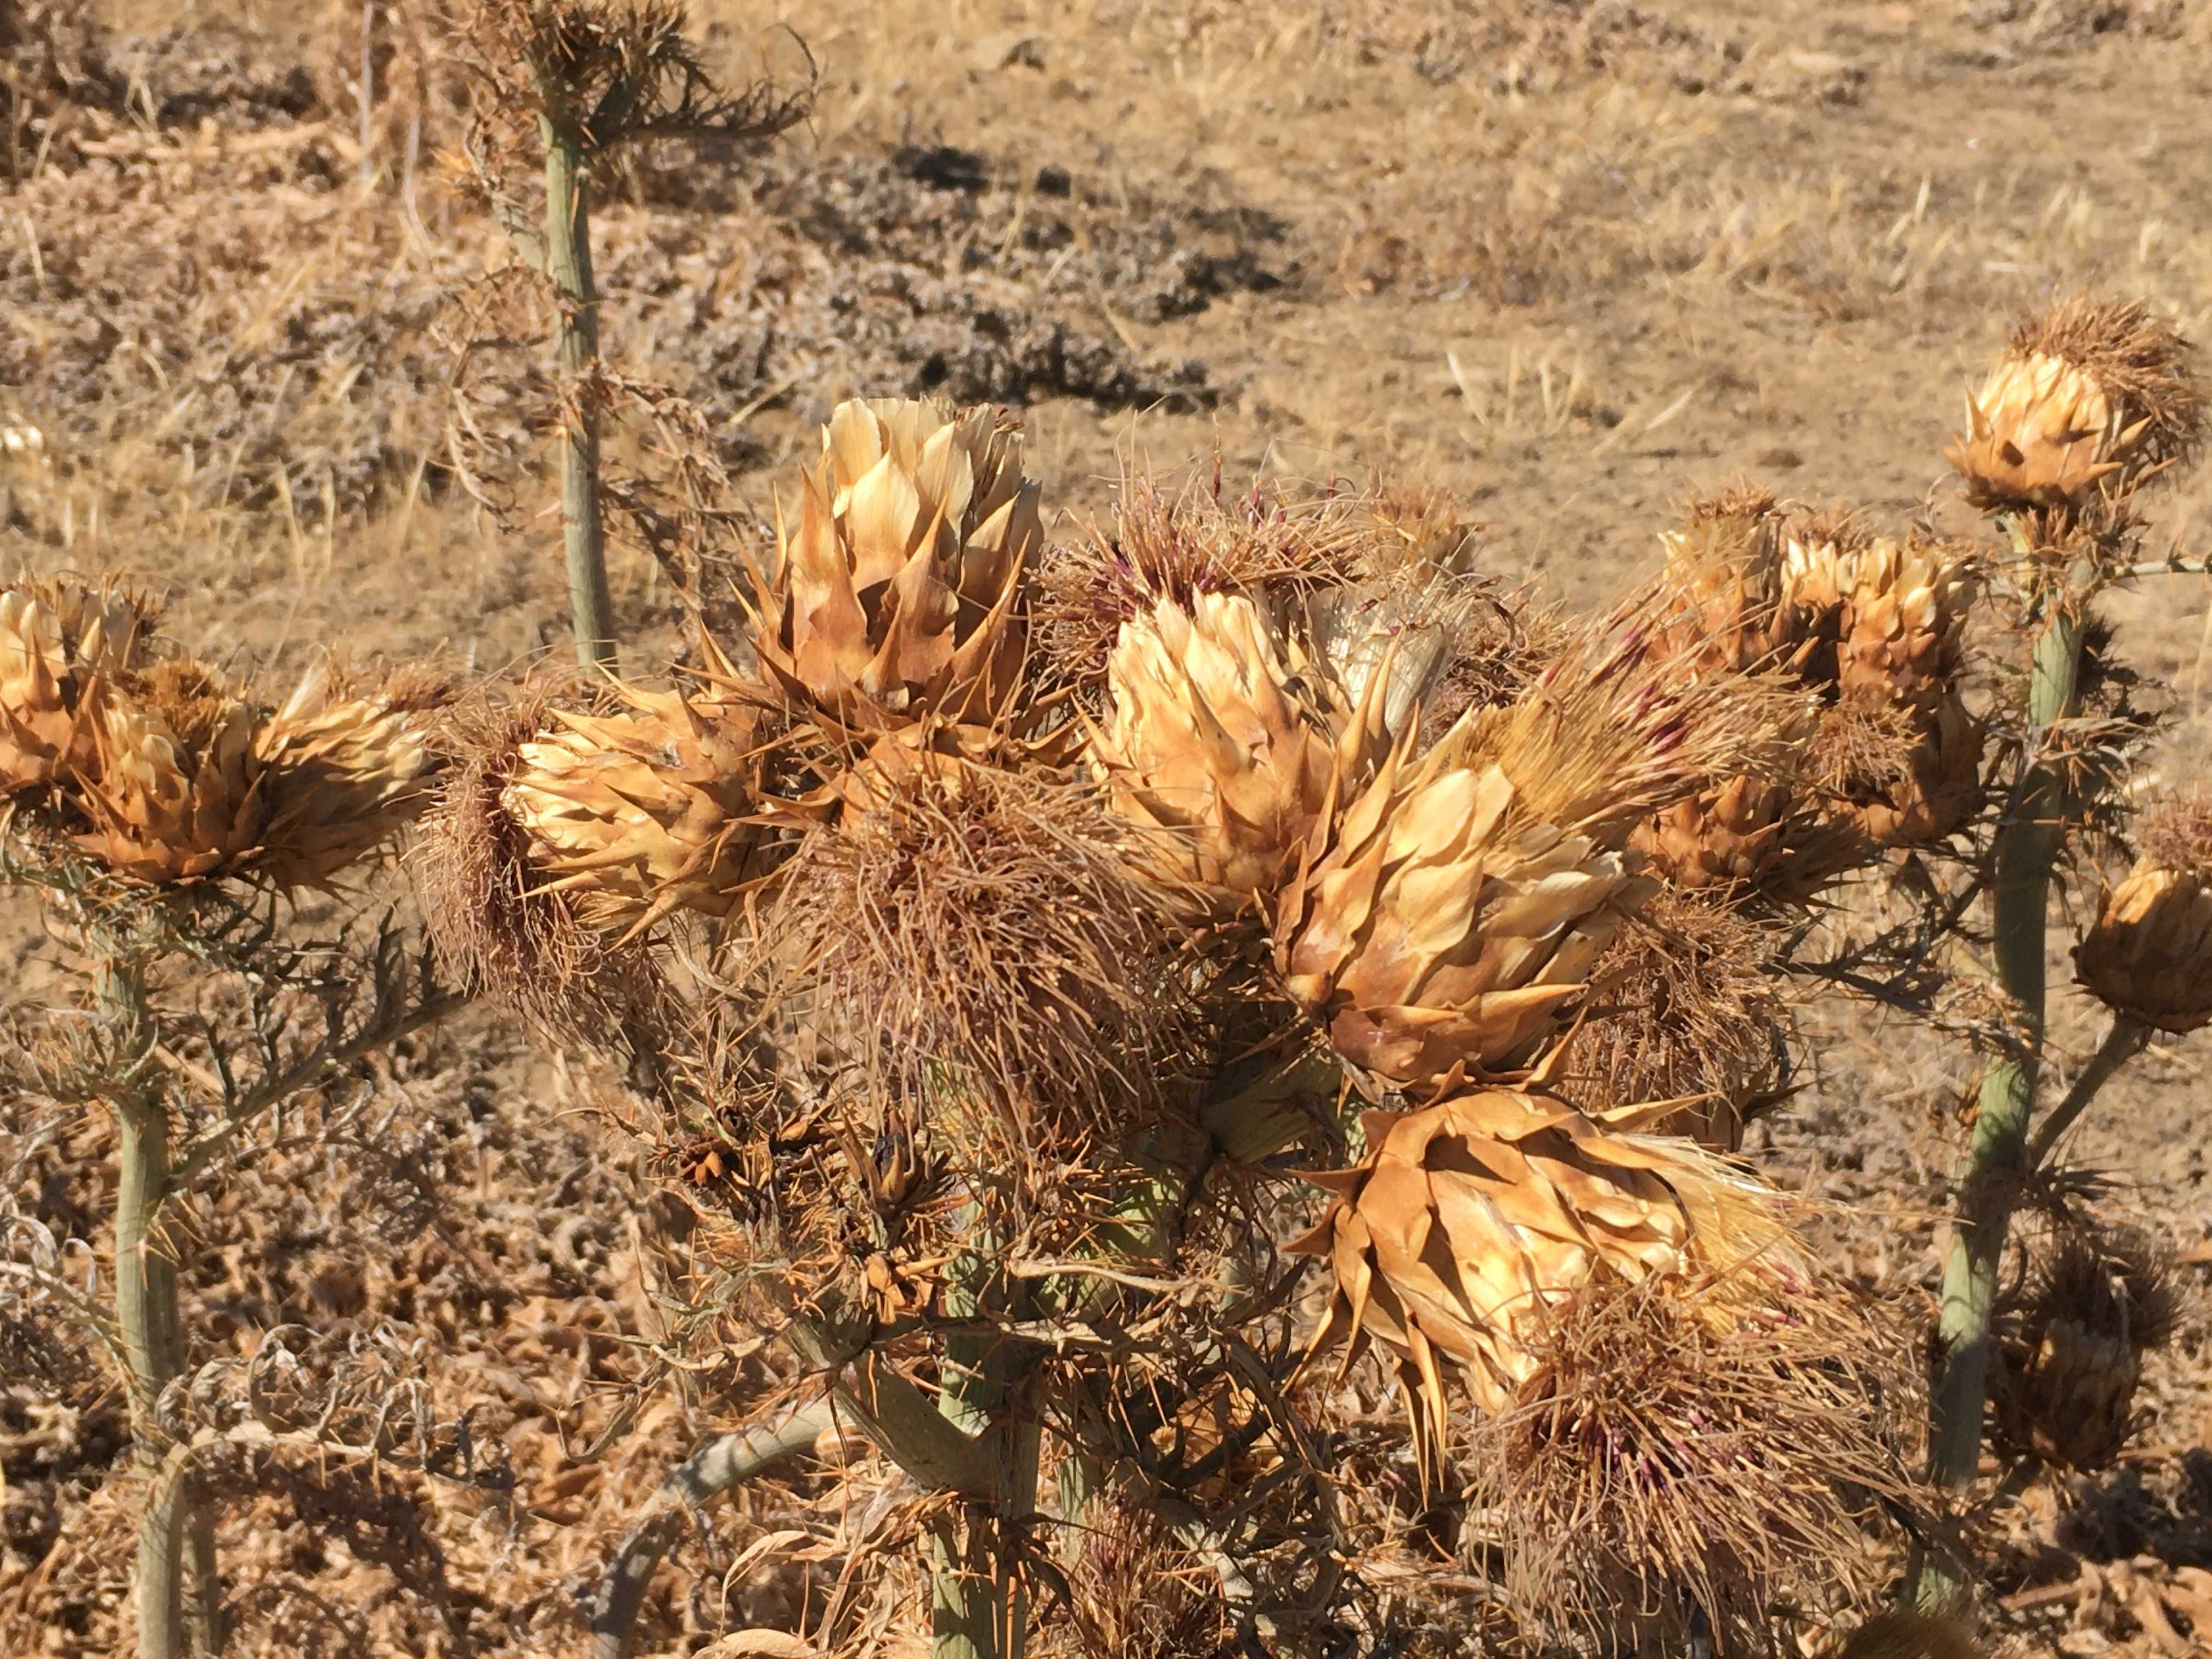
2092, 398
1904, 610
1928, 790
1688, 1005
1263, 546
977, 948
1721, 604
2072, 1351
1471, 1220
644, 811
2148, 955
1464, 897
900, 565
175, 789
347, 768
1664, 1457
1213, 749
62, 642
1449, 924
1872, 629
500, 920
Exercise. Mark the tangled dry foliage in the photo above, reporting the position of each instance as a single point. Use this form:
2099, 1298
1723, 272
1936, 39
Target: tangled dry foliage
668, 882
948, 1058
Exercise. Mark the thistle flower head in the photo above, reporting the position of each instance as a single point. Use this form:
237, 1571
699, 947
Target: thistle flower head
348, 767
1721, 1443
643, 809
1262, 546
1688, 1005
2092, 398
977, 949
62, 641
2071, 1350
173, 790
2148, 955
1214, 751
900, 565
1471, 1221
504, 913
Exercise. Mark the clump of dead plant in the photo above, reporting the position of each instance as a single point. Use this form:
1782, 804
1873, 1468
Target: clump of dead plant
1663, 1474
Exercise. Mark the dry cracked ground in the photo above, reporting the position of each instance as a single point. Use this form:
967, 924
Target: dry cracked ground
1573, 259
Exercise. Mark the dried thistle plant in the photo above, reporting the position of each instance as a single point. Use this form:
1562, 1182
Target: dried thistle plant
1470, 1221
1664, 1470
2092, 399
978, 943
2094, 1302
2148, 954
898, 567
571, 83
1690, 1006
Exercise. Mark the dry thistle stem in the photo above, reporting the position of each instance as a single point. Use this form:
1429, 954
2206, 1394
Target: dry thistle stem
2093, 398
1665, 1458
2148, 955
1471, 1219
2071, 1349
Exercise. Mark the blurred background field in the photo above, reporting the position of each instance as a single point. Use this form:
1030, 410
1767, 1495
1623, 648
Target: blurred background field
1571, 259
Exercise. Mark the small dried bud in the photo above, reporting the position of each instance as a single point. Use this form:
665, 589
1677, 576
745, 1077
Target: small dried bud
2148, 955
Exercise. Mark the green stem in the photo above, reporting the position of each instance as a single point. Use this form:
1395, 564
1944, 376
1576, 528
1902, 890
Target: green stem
2127, 1039
569, 265
977, 1603
705, 1475
176, 1533
2028, 846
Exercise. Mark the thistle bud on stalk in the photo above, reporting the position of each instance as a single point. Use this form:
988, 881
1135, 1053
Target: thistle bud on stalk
2148, 955
2092, 399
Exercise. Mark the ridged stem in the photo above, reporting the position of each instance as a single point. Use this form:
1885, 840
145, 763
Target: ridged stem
569, 265
176, 1532
978, 1606
2127, 1039
712, 1471
2028, 847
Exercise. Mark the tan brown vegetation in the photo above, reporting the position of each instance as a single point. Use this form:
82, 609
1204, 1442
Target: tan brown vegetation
1549, 267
